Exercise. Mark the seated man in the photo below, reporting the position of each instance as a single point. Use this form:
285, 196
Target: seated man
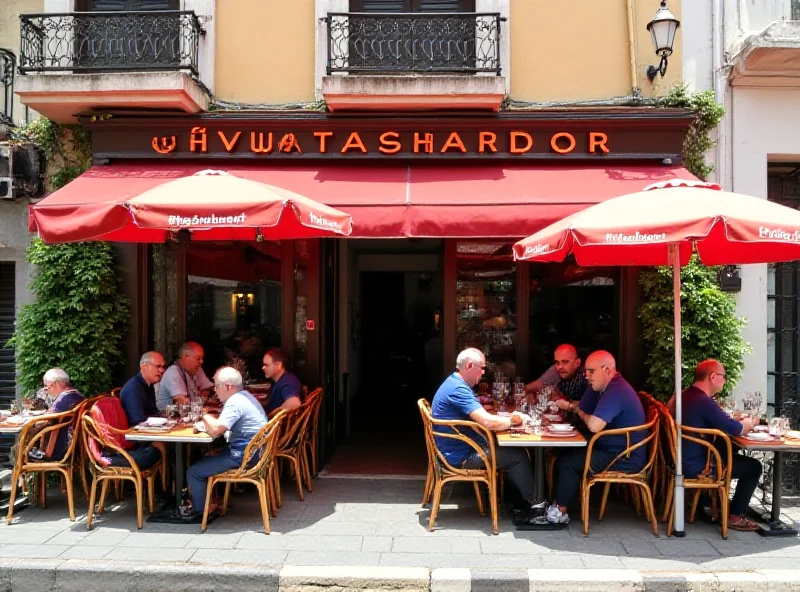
566, 374
456, 400
609, 403
699, 410
65, 397
138, 396
286, 391
185, 379
241, 415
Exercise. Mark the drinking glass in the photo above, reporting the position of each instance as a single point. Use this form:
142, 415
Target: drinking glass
536, 422
171, 411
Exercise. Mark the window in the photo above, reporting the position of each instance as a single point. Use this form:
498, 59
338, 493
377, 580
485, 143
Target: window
234, 302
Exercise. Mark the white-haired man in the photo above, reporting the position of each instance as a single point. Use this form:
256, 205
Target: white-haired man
65, 397
455, 400
185, 379
242, 415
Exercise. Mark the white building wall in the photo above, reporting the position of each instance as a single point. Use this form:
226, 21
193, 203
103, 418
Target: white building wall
696, 22
765, 127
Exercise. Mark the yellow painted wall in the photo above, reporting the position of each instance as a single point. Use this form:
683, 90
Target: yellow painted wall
9, 36
569, 50
265, 51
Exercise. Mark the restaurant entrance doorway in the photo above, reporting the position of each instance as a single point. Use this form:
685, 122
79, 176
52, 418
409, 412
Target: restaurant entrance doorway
394, 357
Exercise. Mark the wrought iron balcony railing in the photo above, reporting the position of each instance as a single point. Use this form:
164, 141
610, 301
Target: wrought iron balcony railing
8, 62
110, 41
398, 43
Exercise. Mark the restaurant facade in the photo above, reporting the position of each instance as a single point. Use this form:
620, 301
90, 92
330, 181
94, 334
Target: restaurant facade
436, 201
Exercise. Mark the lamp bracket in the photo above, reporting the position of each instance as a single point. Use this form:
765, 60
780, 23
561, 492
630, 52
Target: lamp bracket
652, 71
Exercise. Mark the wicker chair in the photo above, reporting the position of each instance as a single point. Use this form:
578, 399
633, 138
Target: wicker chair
291, 448
115, 392
95, 440
311, 442
444, 472
718, 481
609, 476
36, 435
263, 443
427, 492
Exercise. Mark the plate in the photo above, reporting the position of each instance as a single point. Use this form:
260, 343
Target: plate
504, 414
37, 412
759, 437
552, 417
761, 428
792, 435
560, 434
561, 427
156, 422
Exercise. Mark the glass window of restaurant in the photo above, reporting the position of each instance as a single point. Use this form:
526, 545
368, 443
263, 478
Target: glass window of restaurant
234, 303
518, 313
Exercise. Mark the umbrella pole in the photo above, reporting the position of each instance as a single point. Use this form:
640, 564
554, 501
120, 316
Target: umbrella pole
680, 504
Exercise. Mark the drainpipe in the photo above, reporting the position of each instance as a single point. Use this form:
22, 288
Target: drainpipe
719, 80
635, 90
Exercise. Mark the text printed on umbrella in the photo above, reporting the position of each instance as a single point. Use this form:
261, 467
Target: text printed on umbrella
322, 222
212, 220
779, 234
536, 249
637, 237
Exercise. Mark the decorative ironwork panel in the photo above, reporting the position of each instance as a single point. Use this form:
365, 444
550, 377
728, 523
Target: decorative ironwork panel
110, 41
8, 62
413, 42
783, 323
795, 10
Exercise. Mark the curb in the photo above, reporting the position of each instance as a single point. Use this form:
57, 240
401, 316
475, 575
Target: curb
78, 575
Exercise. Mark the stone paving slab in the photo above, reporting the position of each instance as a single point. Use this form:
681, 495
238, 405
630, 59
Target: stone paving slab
360, 524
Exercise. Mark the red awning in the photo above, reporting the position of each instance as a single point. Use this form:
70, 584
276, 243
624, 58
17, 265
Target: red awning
385, 201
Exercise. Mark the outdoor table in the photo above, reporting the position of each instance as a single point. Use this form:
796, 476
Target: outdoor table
179, 435
539, 443
776, 527
14, 428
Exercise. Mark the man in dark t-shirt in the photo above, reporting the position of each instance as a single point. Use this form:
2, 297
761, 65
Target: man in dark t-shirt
609, 403
138, 397
287, 391
699, 410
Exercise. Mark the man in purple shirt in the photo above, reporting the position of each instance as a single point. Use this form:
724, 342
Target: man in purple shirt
609, 403
699, 410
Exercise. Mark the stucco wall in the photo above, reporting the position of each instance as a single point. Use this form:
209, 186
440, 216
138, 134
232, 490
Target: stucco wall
765, 127
265, 51
578, 50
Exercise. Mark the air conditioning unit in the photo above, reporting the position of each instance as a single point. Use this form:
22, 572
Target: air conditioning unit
21, 171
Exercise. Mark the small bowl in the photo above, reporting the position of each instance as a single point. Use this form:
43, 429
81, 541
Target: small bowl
5, 414
156, 421
560, 427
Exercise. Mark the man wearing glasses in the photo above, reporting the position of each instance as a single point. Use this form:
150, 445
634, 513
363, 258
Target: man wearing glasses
242, 416
700, 410
609, 403
138, 396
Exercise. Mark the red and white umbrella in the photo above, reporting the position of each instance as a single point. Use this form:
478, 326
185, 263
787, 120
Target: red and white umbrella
663, 225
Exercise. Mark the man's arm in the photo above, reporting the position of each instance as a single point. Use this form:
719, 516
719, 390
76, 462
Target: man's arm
718, 419
292, 402
495, 422
549, 378
213, 426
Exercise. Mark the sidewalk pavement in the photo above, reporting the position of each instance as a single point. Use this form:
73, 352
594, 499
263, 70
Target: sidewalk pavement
371, 534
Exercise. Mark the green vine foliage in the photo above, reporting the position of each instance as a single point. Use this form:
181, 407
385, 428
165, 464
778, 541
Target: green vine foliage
709, 327
708, 114
67, 148
78, 320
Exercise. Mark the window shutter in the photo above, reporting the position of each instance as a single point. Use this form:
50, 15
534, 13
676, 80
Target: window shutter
379, 6
445, 5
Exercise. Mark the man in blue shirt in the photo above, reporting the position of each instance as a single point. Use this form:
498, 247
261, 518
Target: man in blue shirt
609, 403
699, 410
138, 396
242, 416
456, 400
286, 392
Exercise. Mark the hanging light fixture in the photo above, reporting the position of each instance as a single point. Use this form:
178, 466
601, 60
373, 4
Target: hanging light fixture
662, 30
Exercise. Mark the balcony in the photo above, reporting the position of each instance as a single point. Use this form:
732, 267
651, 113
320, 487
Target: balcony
76, 62
414, 61
768, 51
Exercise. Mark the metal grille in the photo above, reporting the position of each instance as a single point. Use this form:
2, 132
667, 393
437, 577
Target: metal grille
110, 41
7, 314
413, 42
783, 324
796, 10
8, 62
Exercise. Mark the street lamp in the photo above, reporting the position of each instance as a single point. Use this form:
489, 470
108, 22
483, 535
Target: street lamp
662, 30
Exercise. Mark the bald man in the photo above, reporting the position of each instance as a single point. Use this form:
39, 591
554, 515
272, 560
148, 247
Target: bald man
700, 410
609, 403
566, 374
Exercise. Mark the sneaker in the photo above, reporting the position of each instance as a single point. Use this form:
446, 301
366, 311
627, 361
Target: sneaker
539, 510
556, 516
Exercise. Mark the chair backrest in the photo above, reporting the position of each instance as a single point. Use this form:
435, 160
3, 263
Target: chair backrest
706, 437
264, 443
314, 399
425, 412
458, 430
293, 429
95, 440
647, 442
114, 392
33, 435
